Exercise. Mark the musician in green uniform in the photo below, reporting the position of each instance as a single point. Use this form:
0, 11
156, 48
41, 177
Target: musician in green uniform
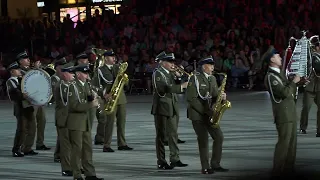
80, 101
201, 93
282, 95
104, 78
24, 63
61, 92
39, 112
165, 110
22, 114
312, 93
55, 80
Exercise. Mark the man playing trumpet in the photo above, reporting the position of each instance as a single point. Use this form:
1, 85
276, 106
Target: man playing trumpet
201, 92
165, 110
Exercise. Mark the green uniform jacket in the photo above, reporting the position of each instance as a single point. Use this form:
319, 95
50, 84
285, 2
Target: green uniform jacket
61, 92
79, 107
314, 85
54, 81
165, 101
198, 107
282, 94
15, 95
105, 77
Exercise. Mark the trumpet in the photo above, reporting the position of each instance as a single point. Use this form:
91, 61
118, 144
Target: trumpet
181, 71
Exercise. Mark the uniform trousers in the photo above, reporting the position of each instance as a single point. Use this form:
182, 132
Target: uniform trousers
25, 131
64, 148
308, 99
105, 126
81, 148
202, 129
166, 126
285, 150
41, 124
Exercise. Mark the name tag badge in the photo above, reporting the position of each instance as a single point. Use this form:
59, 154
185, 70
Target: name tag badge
203, 85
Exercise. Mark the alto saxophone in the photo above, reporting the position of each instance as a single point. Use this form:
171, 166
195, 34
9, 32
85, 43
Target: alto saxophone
117, 88
221, 105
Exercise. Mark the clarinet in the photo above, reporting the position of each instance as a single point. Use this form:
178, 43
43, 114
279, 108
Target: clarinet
94, 92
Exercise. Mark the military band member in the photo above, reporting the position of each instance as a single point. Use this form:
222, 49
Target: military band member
24, 63
105, 77
282, 93
61, 92
82, 58
201, 94
79, 125
312, 93
15, 96
165, 110
61, 60
55, 80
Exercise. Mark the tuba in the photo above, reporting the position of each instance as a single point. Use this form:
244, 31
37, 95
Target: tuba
117, 88
99, 58
220, 105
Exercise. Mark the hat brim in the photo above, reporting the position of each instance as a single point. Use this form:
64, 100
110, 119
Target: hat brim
22, 57
12, 68
206, 62
108, 54
168, 59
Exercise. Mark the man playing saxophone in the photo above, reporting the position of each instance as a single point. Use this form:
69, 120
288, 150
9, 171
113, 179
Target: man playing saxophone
202, 90
104, 77
165, 110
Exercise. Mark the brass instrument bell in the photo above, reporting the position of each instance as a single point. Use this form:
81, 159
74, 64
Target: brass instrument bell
50, 69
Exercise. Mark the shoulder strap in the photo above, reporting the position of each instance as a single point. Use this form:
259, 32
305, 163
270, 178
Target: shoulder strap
64, 101
155, 82
196, 82
100, 74
270, 86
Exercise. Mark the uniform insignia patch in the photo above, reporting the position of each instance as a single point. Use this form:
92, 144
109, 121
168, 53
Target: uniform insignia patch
65, 90
275, 83
158, 79
70, 94
190, 83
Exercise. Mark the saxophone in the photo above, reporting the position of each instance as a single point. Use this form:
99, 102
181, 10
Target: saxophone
117, 88
220, 106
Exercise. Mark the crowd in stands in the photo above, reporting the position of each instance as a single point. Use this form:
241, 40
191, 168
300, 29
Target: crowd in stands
235, 32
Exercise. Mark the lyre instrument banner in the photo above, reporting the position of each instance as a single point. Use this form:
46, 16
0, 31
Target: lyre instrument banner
36, 84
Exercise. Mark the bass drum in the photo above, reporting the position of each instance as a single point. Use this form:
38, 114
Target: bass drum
36, 84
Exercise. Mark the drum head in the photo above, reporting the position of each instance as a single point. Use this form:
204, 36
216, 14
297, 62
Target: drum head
36, 84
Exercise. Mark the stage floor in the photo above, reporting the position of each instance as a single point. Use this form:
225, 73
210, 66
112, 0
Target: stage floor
249, 141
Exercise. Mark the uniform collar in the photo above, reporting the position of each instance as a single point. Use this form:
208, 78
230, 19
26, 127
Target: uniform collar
165, 70
82, 83
206, 75
109, 66
275, 69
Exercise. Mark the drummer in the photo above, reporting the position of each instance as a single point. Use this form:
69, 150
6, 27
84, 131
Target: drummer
24, 115
39, 114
